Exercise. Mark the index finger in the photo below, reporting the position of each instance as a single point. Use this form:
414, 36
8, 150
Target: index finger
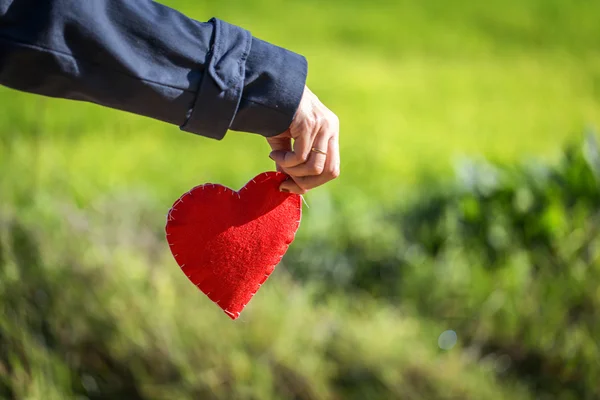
299, 155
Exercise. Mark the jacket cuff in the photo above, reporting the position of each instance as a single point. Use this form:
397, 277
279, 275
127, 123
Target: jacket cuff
274, 83
221, 88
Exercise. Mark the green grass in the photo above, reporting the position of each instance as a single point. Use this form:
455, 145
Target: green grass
416, 84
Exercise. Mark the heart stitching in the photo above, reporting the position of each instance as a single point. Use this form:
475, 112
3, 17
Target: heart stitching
229, 242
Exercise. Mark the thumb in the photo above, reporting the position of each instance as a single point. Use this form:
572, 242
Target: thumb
278, 156
279, 146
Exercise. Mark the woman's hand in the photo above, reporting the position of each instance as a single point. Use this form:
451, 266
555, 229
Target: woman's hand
314, 157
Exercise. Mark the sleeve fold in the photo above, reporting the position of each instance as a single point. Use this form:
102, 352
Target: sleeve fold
148, 59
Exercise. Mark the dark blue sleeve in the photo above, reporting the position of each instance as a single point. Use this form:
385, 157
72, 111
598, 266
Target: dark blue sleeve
142, 57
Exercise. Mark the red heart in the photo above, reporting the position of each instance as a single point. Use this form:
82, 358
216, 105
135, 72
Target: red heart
227, 242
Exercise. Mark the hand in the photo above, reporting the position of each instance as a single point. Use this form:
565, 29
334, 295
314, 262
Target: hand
314, 157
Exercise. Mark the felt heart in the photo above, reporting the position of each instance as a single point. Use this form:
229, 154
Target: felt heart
227, 242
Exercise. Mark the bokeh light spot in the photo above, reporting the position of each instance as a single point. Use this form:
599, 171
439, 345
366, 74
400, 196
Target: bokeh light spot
447, 340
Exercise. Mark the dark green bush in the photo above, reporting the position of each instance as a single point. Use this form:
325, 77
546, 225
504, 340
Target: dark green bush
80, 331
509, 257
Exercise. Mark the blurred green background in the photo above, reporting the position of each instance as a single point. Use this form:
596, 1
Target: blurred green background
457, 256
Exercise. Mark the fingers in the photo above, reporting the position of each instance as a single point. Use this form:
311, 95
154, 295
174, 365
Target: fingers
330, 171
315, 163
301, 148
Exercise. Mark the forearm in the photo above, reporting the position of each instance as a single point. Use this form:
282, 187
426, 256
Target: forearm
145, 58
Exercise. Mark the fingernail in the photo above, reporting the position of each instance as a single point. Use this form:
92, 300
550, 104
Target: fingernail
284, 190
271, 157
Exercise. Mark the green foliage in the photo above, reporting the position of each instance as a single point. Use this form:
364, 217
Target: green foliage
125, 330
509, 257
506, 256
514, 264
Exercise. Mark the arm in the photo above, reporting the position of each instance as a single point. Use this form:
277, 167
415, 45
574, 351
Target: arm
145, 58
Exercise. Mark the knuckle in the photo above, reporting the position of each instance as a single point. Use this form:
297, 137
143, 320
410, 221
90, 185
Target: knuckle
334, 120
330, 121
303, 156
316, 119
307, 125
315, 169
302, 188
335, 173
302, 185
319, 120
